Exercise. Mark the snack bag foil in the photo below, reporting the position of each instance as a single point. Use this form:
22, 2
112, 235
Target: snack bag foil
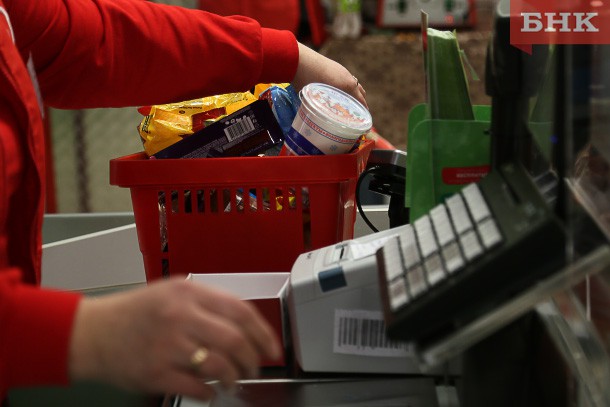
164, 125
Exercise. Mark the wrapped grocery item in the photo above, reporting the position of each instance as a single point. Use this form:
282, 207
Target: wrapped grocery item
250, 131
164, 125
284, 102
329, 121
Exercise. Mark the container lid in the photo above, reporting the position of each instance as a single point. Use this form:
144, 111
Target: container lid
336, 108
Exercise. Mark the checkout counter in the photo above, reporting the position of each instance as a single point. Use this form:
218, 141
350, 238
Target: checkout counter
577, 346
65, 235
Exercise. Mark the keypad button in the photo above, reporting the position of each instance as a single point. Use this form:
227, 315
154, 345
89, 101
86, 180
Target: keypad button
476, 203
425, 236
434, 268
470, 245
459, 214
392, 259
409, 248
453, 257
397, 291
416, 280
442, 225
490, 235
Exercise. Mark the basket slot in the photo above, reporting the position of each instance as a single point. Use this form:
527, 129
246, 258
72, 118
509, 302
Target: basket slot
165, 268
213, 196
210, 202
195, 200
235, 199
177, 202
273, 203
256, 197
173, 201
292, 203
266, 202
242, 199
302, 202
188, 201
163, 213
200, 201
227, 199
285, 193
218, 198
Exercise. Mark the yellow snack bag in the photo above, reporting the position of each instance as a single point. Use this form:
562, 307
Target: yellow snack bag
261, 87
164, 125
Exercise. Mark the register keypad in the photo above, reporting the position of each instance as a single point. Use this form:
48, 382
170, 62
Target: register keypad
438, 245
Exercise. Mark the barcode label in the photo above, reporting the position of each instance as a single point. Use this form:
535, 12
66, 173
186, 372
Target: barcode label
361, 332
241, 127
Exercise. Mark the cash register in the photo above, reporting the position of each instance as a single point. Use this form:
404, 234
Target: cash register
467, 256
495, 238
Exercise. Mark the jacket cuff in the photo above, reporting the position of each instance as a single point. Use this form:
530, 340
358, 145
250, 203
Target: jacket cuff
37, 336
280, 56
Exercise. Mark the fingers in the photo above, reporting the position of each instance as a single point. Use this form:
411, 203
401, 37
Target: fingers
360, 93
170, 336
228, 342
214, 366
195, 375
222, 307
233, 332
235, 336
314, 67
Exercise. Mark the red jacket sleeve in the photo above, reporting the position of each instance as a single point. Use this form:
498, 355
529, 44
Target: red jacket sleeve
109, 53
35, 335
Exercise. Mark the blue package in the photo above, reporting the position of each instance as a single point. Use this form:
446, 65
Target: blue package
285, 103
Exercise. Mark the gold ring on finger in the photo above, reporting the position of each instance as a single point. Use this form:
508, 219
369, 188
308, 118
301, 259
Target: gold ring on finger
199, 357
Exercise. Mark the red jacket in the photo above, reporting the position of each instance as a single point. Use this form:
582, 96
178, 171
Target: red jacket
95, 53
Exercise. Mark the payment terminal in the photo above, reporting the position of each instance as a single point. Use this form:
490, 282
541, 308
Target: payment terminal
468, 255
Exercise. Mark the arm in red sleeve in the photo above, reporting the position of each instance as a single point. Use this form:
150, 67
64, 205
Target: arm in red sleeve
96, 53
35, 334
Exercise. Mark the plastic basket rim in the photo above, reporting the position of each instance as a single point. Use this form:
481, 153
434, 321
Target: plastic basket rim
136, 170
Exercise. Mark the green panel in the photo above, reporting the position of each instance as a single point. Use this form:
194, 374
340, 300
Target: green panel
437, 145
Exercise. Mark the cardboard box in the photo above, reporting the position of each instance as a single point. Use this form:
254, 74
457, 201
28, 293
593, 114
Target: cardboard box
266, 291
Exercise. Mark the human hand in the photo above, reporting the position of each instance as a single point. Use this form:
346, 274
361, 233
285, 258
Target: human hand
145, 339
315, 67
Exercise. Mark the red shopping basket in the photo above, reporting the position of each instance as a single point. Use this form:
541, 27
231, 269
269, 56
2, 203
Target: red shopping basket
246, 214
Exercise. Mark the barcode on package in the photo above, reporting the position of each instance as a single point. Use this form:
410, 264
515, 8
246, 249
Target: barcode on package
362, 332
240, 128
